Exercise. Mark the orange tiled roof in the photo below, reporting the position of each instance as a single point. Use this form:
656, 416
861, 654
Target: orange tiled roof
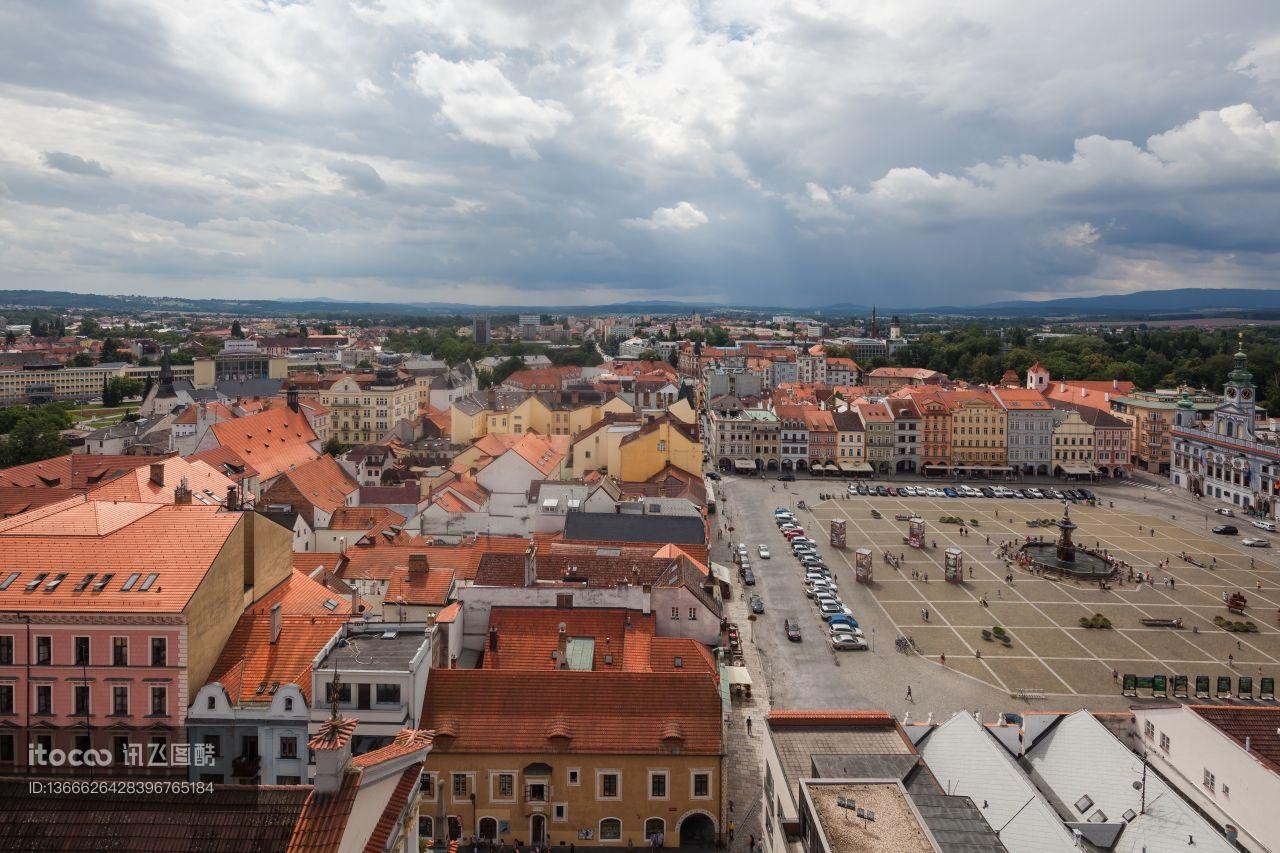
393, 811
778, 719
249, 659
78, 471
1021, 399
79, 537
15, 500
431, 588
406, 742
450, 613
227, 461
1260, 725
333, 733
597, 713
206, 483
323, 482
371, 519
273, 441
323, 821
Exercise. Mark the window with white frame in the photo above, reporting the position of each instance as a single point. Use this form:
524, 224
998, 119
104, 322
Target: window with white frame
574, 774
502, 786
609, 786
1164, 742
1209, 781
610, 829
700, 784
658, 784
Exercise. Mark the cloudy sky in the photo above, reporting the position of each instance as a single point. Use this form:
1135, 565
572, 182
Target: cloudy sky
749, 151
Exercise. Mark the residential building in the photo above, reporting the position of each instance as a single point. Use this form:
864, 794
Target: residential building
881, 440
1029, 419
43, 383
253, 712
893, 378
823, 440
1151, 416
979, 430
1230, 458
365, 407
1110, 445
935, 432
598, 754
744, 439
1225, 759
378, 673
1072, 444
907, 423
793, 438
314, 490
851, 455
112, 613
662, 442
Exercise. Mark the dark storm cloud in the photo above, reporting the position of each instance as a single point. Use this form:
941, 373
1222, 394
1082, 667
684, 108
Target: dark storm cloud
788, 153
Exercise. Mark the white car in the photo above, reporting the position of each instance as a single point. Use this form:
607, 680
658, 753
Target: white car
1269, 526
764, 552
909, 491
836, 630
933, 493
1255, 542
848, 643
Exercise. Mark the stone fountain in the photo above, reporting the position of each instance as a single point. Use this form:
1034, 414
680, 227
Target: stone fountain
1065, 557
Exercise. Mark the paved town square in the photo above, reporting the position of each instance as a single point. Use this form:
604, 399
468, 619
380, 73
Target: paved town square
1051, 655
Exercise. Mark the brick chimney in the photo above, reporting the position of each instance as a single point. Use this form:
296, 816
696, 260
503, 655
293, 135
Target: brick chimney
157, 473
233, 499
562, 648
417, 563
292, 397
530, 565
275, 622
182, 493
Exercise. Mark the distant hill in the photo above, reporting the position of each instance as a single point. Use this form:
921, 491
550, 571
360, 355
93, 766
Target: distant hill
1182, 300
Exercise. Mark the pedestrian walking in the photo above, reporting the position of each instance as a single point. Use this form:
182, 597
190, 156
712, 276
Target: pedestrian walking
910, 698
1115, 675
748, 725
942, 659
1231, 659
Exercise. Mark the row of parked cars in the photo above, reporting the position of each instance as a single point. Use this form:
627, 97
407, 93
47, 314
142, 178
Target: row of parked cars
820, 586
966, 491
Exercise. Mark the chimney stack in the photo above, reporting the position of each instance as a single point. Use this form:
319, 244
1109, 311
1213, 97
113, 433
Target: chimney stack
292, 397
493, 639
233, 499
562, 647
275, 622
417, 563
157, 473
182, 493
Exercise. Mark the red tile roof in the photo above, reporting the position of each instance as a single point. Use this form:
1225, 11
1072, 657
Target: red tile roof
273, 441
323, 820
371, 519
249, 659
324, 483
406, 742
227, 461
432, 588
207, 484
176, 543
449, 614
1260, 725
779, 719
78, 471
333, 733
394, 810
597, 713
15, 500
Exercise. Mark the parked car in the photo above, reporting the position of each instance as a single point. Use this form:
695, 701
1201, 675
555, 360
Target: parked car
893, 491
848, 643
744, 566
764, 552
950, 492
882, 491
987, 492
757, 604
853, 489
792, 627
843, 619
1269, 526
748, 578
834, 627
742, 549
1256, 542
862, 488
711, 475
787, 478
1225, 510
1226, 530
1088, 495
829, 614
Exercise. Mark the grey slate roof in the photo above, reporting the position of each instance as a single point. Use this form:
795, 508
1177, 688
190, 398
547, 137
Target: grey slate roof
679, 530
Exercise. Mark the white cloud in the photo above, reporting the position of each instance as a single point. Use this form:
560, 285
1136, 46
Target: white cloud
484, 106
681, 217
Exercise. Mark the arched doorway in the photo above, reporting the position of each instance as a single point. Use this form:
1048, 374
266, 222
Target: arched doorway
801, 465
455, 827
654, 826
426, 827
538, 830
487, 830
771, 465
724, 464
697, 829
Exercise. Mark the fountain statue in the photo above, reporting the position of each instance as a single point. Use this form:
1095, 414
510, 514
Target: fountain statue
1065, 557
1066, 551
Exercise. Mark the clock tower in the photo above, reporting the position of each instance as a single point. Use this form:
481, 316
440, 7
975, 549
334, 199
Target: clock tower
1235, 417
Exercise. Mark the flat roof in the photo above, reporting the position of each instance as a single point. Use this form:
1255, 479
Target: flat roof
374, 650
896, 827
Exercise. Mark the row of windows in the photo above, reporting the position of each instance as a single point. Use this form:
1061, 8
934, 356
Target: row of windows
81, 701
608, 785
81, 651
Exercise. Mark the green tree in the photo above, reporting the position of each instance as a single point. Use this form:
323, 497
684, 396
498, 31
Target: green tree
90, 327
32, 433
333, 447
236, 330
